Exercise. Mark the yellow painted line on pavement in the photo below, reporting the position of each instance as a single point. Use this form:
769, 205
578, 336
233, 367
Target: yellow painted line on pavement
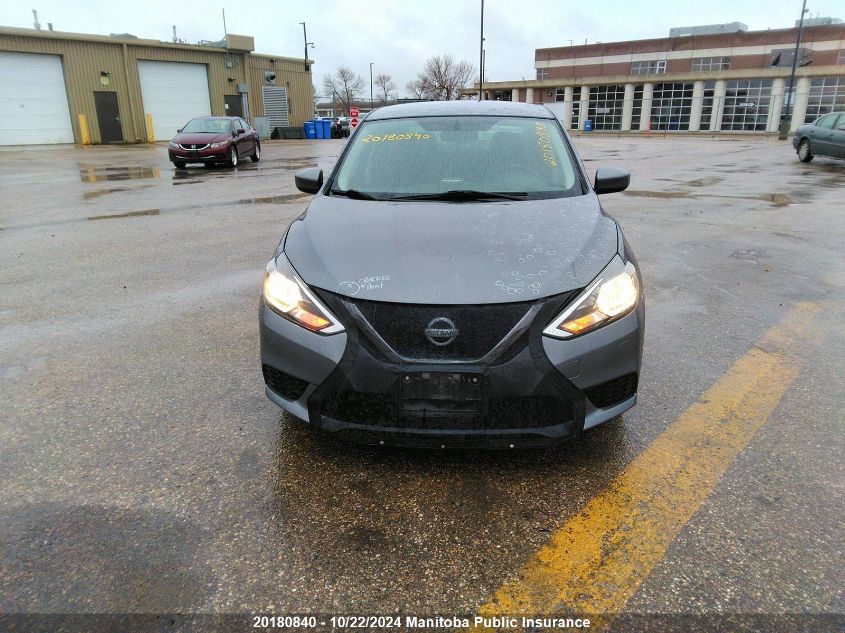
596, 560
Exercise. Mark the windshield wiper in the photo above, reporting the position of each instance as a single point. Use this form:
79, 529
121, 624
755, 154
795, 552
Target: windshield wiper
466, 195
352, 193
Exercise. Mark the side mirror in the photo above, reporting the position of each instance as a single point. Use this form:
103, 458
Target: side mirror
179, 131
240, 130
309, 180
611, 180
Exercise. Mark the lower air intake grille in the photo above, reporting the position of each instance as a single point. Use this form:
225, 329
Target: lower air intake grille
287, 386
613, 391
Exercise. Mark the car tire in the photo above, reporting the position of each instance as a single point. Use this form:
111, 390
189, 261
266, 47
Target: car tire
805, 154
179, 164
256, 153
233, 156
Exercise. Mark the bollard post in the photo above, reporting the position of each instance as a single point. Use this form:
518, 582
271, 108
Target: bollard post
84, 132
151, 137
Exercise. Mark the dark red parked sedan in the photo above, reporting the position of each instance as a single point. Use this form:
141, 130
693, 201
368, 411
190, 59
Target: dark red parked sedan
215, 139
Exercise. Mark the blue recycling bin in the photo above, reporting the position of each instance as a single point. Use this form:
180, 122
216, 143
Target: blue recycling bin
588, 125
327, 128
319, 125
310, 129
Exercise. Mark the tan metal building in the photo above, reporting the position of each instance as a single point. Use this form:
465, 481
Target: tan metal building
73, 88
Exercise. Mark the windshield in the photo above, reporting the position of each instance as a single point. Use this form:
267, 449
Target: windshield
434, 155
210, 126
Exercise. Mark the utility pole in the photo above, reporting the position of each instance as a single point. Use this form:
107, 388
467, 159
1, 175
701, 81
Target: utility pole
481, 57
307, 44
371, 86
786, 116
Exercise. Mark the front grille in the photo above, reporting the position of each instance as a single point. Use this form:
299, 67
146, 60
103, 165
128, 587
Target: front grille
285, 385
480, 328
613, 391
191, 147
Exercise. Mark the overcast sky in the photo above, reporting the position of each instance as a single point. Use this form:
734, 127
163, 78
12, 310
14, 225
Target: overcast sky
397, 36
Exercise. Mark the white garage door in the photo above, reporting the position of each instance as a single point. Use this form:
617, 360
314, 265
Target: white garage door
174, 93
33, 108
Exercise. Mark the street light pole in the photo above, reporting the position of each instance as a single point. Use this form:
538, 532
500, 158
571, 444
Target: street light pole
371, 86
481, 57
307, 44
786, 117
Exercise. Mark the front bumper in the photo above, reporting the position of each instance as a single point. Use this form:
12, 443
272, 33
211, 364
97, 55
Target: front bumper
199, 156
538, 392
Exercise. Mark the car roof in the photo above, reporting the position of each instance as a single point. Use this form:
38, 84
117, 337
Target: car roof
211, 116
461, 108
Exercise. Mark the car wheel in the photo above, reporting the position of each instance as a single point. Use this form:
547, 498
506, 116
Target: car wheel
233, 156
179, 164
805, 155
256, 153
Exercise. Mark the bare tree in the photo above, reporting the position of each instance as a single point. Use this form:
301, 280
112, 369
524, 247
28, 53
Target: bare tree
385, 86
416, 88
345, 85
442, 78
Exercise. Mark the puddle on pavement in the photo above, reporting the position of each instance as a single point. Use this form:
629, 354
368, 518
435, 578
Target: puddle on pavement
192, 176
128, 214
90, 195
703, 182
92, 173
750, 255
777, 199
659, 194
275, 199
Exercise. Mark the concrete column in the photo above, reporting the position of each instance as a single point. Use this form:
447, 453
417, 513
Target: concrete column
529, 95
515, 94
627, 107
567, 108
776, 105
645, 115
718, 105
799, 108
697, 105
585, 105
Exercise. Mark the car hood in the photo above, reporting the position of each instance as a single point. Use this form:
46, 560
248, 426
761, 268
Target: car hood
200, 139
451, 253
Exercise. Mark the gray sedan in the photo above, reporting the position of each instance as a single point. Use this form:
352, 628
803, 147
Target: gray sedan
455, 282
824, 137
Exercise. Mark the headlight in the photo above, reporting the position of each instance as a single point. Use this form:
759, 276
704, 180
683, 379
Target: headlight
611, 296
286, 294
219, 144
174, 144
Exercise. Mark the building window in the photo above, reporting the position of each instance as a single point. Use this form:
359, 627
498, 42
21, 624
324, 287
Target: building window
560, 94
827, 94
840, 59
782, 57
502, 95
707, 105
542, 73
747, 104
637, 107
649, 68
605, 107
671, 105
576, 107
709, 64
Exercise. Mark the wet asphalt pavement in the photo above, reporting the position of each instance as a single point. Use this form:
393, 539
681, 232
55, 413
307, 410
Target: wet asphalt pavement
142, 469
